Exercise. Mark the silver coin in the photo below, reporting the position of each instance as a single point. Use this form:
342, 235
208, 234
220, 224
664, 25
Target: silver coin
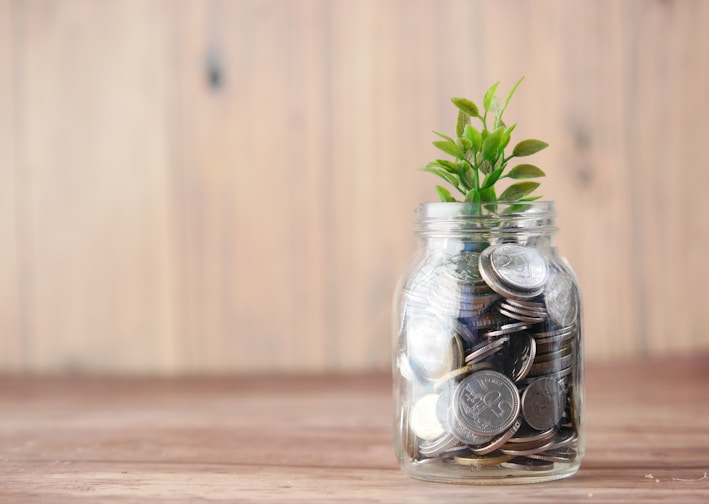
506, 305
438, 446
560, 455
559, 376
528, 435
487, 402
464, 267
486, 350
520, 451
498, 441
507, 329
520, 317
464, 433
560, 298
519, 267
521, 351
543, 403
423, 420
492, 279
431, 346
530, 306
551, 366
528, 464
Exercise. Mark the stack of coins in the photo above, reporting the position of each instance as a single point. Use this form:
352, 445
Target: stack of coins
491, 342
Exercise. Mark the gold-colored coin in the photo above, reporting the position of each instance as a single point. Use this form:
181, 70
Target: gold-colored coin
483, 461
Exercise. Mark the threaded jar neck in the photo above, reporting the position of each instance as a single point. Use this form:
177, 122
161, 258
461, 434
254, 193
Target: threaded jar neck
474, 221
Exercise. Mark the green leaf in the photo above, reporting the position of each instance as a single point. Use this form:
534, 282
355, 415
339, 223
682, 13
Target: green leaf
463, 119
485, 167
447, 165
473, 196
517, 191
474, 136
448, 177
525, 171
488, 194
466, 106
492, 177
490, 95
506, 135
466, 176
465, 143
531, 198
528, 147
444, 194
443, 135
491, 144
450, 148
509, 96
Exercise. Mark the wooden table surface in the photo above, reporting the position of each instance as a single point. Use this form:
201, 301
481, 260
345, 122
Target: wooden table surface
324, 439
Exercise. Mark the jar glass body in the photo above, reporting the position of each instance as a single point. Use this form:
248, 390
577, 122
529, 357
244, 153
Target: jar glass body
487, 348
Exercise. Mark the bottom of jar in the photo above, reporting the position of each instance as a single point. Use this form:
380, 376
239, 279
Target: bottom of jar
503, 474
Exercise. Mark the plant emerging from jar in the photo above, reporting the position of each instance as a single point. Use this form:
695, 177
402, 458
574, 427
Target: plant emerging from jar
480, 161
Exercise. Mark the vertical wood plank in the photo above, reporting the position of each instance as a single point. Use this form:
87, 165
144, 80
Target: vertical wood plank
96, 150
11, 330
252, 152
667, 110
590, 175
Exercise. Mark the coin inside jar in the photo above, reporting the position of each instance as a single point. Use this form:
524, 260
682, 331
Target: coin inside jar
432, 346
519, 267
543, 403
423, 419
487, 402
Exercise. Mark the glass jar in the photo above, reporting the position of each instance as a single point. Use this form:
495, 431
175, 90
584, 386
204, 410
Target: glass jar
488, 355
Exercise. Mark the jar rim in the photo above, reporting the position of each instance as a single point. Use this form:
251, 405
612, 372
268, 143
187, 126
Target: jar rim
462, 209
436, 218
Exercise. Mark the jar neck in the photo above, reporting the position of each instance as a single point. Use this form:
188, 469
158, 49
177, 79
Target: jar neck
440, 224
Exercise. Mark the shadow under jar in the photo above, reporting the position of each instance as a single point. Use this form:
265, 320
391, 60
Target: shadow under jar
488, 356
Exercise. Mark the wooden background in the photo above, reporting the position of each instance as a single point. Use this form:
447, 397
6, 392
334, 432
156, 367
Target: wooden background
228, 186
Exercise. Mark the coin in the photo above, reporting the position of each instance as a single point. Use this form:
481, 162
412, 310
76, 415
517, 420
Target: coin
487, 402
527, 435
497, 284
530, 306
441, 445
465, 267
560, 298
521, 351
528, 464
431, 346
507, 329
559, 455
498, 441
543, 403
486, 350
464, 433
454, 376
423, 420
521, 317
482, 461
519, 267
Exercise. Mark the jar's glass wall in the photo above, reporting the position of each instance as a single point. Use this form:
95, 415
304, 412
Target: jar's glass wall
488, 356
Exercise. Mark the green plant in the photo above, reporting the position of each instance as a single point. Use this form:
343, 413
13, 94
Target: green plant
479, 154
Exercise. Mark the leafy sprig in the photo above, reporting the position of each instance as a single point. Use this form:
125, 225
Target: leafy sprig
479, 159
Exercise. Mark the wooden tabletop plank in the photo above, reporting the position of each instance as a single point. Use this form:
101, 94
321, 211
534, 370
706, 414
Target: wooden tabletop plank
323, 439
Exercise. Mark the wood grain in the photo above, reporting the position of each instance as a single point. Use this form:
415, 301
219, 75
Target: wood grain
98, 225
323, 439
12, 352
225, 186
